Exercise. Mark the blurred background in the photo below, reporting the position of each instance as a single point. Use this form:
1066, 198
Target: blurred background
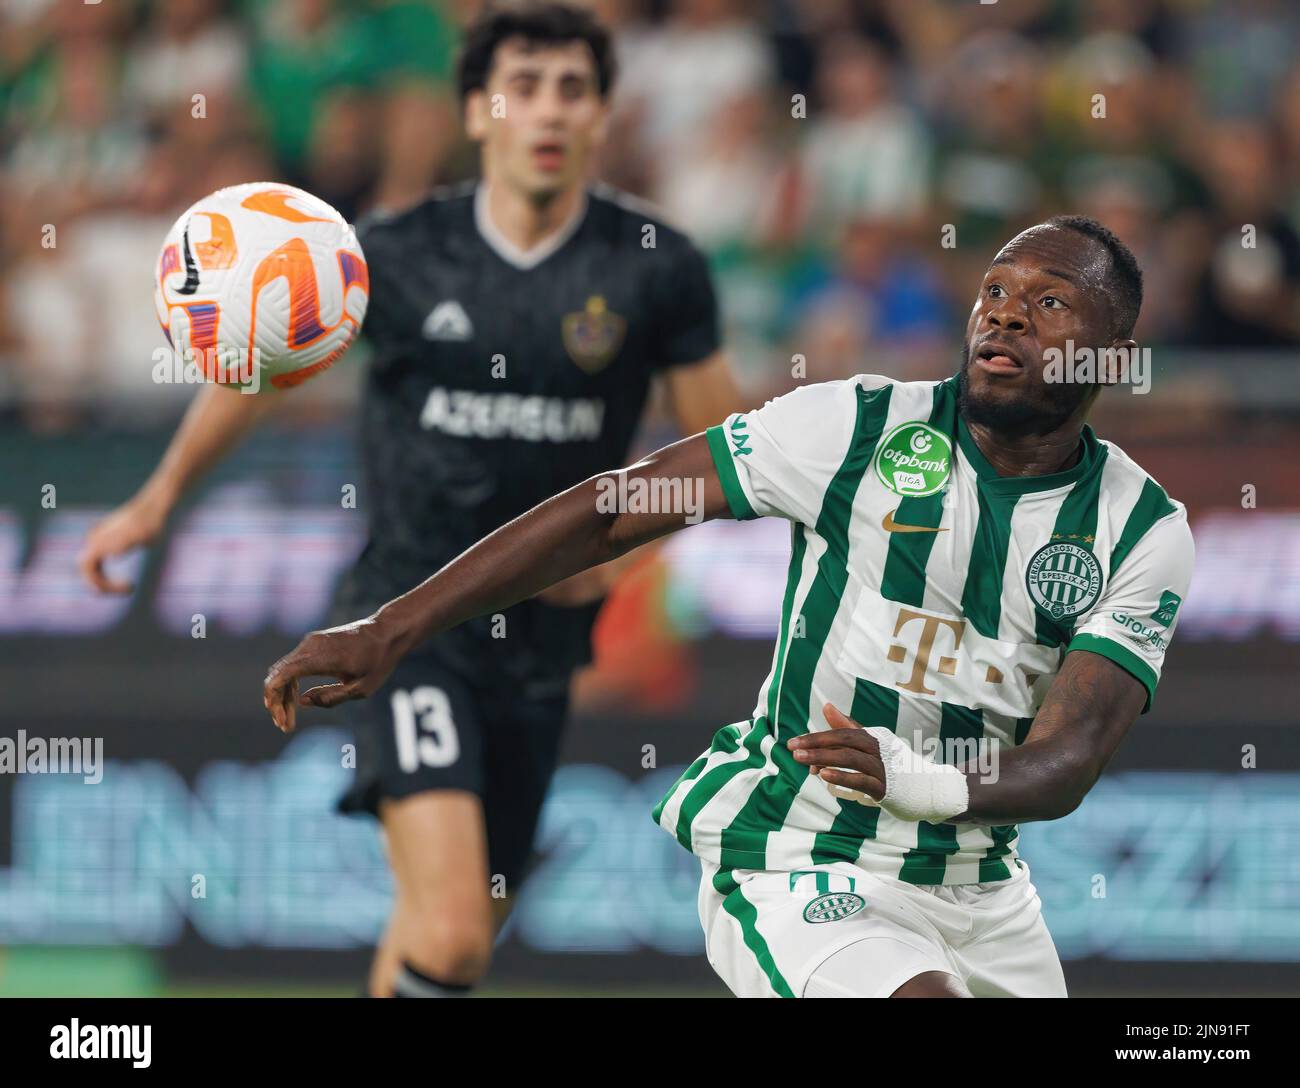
850, 167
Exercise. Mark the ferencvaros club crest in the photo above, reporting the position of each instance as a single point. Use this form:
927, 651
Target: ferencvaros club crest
1063, 578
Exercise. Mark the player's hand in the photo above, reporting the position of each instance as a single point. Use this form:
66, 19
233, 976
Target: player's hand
846, 757
132, 525
359, 655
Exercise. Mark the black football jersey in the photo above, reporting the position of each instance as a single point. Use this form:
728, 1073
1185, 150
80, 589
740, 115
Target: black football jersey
499, 378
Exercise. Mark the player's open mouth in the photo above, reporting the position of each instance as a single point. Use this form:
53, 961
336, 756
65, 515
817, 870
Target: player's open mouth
999, 359
549, 156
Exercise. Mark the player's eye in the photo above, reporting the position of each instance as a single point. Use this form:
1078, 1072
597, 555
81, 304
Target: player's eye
574, 87
1053, 303
996, 290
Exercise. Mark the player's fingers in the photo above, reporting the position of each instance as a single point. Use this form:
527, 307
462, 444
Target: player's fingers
328, 695
297, 663
91, 564
271, 700
280, 702
280, 688
863, 783
840, 757
289, 706
836, 720
859, 740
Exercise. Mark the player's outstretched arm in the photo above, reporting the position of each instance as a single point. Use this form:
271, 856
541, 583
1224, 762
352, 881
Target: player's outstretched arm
1088, 709
592, 522
702, 394
214, 423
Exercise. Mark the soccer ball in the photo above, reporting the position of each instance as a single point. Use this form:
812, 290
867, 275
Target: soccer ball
261, 283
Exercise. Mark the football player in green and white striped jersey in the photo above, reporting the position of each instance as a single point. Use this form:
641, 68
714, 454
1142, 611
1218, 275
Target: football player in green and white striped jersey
979, 600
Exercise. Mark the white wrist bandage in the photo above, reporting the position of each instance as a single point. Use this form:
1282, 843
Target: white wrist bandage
916, 788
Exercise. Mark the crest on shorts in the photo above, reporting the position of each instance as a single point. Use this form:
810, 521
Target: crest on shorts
1063, 579
592, 338
833, 907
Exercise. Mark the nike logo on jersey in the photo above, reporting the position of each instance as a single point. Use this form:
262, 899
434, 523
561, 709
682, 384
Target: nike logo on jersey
447, 321
892, 526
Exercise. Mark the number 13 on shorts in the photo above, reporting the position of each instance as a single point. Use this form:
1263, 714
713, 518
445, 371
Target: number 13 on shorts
426, 734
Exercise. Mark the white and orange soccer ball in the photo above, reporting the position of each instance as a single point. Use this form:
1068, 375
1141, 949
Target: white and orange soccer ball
261, 284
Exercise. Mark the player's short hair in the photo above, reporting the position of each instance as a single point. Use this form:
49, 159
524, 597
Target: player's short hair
1125, 274
540, 22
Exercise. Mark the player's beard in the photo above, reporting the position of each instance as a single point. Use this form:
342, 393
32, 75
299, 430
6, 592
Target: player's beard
1026, 414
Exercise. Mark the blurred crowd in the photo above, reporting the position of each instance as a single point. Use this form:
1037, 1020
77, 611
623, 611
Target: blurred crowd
850, 166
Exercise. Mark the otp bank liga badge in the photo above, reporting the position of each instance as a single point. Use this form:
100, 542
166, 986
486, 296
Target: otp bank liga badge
592, 338
833, 907
1064, 579
914, 460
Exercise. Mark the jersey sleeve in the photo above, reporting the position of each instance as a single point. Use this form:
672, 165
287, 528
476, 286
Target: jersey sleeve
1134, 620
778, 460
686, 319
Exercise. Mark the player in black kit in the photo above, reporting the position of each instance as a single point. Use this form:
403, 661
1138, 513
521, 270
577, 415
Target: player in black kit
516, 327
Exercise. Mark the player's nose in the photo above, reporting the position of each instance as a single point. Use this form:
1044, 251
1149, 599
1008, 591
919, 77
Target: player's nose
1007, 317
549, 108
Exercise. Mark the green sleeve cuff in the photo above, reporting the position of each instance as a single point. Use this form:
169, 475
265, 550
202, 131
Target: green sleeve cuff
1125, 658
737, 500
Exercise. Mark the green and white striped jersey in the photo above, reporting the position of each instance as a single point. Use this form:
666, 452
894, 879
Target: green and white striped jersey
926, 594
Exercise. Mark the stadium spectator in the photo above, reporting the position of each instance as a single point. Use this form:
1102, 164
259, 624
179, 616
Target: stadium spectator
188, 49
830, 228
865, 154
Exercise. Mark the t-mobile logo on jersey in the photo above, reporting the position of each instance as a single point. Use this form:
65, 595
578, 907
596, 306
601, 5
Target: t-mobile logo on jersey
944, 658
930, 627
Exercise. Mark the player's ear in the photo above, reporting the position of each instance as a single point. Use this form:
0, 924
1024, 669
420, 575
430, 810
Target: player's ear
1117, 361
476, 115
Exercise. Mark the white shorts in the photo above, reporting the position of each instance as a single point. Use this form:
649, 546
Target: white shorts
767, 934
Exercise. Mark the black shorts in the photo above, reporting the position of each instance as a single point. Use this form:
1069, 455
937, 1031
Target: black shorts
433, 727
